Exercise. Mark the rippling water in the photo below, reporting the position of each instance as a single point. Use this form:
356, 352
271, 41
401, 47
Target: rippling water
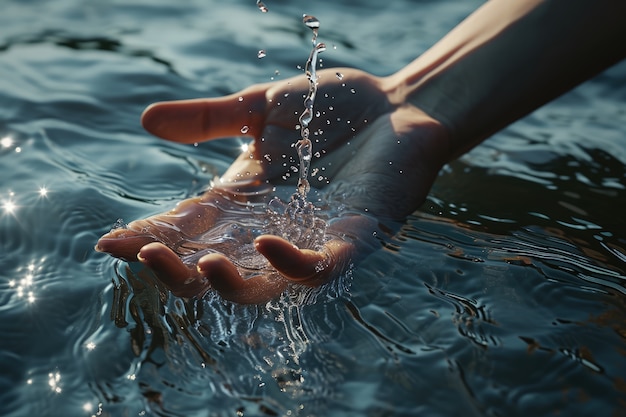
503, 295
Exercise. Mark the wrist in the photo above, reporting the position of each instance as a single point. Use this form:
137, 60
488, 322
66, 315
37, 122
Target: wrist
507, 59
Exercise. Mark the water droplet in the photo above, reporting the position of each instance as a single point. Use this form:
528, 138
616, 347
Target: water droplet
240, 98
261, 54
262, 7
311, 21
352, 90
339, 76
119, 224
244, 129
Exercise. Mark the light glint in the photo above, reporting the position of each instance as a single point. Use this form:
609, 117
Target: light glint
9, 207
6, 142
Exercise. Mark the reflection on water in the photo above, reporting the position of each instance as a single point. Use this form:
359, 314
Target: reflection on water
201, 353
505, 294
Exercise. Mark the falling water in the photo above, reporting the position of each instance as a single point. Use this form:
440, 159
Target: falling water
299, 224
304, 145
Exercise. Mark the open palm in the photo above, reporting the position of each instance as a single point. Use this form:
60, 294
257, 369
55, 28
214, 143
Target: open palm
373, 154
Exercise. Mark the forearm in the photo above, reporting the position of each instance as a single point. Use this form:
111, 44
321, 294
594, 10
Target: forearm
507, 59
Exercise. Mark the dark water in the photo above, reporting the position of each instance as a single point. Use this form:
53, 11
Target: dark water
504, 295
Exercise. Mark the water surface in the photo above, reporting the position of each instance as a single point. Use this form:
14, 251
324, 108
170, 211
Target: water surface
503, 295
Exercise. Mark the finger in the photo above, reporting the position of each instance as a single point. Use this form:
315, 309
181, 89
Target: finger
189, 218
305, 266
170, 270
124, 243
192, 121
227, 281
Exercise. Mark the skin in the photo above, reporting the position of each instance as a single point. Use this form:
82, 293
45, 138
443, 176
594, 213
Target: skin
505, 60
384, 130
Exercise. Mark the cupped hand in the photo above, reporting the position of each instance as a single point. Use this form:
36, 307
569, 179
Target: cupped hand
374, 154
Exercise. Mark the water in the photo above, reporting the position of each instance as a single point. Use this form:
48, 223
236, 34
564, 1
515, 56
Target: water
503, 295
304, 145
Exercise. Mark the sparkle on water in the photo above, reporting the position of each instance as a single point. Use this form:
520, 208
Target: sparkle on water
6, 142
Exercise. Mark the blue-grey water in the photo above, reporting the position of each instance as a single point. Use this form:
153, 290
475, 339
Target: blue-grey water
503, 295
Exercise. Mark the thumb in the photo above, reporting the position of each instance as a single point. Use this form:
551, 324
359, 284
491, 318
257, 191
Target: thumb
198, 120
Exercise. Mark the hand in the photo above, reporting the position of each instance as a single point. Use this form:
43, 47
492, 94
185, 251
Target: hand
375, 155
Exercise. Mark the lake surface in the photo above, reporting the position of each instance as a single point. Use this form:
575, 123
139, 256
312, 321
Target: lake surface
503, 295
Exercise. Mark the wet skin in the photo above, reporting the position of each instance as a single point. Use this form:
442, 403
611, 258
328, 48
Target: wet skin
379, 154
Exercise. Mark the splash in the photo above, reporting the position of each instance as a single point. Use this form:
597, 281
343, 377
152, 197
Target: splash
296, 221
304, 145
300, 214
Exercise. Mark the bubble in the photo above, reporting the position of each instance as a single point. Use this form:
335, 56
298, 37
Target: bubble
261, 54
240, 98
339, 76
244, 129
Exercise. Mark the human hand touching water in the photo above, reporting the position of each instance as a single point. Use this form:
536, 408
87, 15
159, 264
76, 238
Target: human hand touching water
378, 157
382, 140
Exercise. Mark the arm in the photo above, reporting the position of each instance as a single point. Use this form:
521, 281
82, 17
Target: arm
509, 58
504, 61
